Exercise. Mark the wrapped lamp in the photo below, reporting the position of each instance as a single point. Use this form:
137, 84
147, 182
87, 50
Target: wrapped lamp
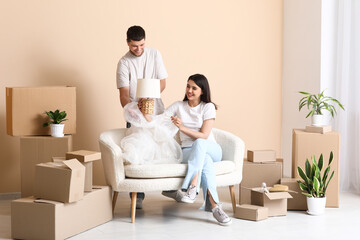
148, 89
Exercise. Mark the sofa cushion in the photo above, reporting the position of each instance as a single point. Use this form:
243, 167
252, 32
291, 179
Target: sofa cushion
171, 170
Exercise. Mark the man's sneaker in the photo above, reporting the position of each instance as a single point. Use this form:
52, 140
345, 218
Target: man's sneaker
176, 195
190, 195
221, 216
139, 203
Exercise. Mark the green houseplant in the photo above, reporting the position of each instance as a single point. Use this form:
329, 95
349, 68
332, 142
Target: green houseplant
314, 185
57, 127
316, 103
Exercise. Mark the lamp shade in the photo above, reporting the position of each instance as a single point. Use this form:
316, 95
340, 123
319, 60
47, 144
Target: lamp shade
148, 88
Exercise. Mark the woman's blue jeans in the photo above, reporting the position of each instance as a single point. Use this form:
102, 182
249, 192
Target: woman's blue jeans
200, 158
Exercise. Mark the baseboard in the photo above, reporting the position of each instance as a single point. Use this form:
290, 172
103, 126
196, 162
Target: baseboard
10, 196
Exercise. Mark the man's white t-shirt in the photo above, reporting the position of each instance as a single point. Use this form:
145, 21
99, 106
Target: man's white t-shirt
192, 117
131, 68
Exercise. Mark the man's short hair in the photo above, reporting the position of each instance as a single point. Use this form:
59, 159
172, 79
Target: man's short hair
135, 33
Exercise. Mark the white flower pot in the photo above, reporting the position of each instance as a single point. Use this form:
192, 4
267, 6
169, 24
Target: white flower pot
318, 120
57, 130
316, 206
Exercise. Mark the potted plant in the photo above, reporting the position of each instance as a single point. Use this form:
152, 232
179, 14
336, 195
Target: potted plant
314, 185
57, 127
317, 103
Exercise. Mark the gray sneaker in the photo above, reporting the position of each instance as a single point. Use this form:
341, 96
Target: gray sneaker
139, 203
190, 195
222, 218
176, 195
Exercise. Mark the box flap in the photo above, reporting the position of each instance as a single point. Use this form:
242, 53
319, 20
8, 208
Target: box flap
278, 195
47, 201
73, 164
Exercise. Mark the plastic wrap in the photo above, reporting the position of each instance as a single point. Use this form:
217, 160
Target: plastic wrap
149, 142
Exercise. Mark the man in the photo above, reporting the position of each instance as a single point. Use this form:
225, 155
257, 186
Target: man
139, 62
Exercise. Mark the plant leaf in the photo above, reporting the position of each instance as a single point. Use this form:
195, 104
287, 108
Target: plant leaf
316, 186
303, 176
307, 168
332, 174
331, 157
321, 162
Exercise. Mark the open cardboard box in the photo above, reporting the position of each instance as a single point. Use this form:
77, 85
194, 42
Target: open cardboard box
60, 181
43, 219
276, 202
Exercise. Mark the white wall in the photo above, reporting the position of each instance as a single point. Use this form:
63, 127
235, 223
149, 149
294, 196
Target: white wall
301, 66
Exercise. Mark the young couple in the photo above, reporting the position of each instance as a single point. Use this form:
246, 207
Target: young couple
194, 116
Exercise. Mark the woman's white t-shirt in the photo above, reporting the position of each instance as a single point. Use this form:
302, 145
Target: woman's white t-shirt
192, 117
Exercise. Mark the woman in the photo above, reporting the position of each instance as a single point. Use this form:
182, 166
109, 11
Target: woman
195, 117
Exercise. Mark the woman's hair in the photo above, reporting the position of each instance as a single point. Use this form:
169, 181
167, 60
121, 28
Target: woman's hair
203, 83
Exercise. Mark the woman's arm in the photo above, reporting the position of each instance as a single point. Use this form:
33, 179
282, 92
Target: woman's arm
204, 130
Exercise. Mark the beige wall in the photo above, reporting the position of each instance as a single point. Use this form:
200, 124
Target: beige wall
237, 44
301, 66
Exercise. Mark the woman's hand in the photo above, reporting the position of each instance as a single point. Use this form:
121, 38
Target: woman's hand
177, 121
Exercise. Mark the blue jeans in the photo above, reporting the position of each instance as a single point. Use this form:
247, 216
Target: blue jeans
200, 158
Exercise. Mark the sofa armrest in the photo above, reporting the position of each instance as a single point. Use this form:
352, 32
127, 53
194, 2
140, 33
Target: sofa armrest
111, 154
232, 146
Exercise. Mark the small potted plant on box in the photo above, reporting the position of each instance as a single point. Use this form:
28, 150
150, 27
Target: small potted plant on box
314, 185
57, 127
317, 103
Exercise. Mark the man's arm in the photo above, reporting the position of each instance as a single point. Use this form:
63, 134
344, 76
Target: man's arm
124, 96
162, 84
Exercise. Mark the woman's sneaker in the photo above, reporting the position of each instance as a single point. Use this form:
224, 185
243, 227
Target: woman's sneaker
221, 216
190, 195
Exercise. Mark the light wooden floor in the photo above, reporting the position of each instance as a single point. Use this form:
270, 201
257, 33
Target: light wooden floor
163, 218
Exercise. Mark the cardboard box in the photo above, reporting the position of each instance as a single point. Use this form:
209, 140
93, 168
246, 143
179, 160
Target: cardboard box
26, 106
43, 219
34, 150
261, 156
276, 202
88, 173
86, 157
251, 212
254, 174
305, 145
320, 129
298, 200
62, 182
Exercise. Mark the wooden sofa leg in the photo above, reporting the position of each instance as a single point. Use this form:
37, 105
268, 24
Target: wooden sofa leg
133, 206
114, 201
232, 195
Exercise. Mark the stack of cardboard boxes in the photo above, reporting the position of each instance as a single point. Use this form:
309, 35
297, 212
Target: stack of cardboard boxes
260, 167
58, 199
263, 167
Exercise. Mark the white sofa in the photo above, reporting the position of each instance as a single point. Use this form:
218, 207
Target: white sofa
158, 177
